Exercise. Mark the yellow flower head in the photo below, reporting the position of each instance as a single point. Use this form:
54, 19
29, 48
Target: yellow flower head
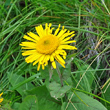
1, 99
47, 46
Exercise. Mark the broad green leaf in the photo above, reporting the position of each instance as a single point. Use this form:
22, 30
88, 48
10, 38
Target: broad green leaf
16, 106
81, 101
45, 101
106, 94
7, 106
15, 79
57, 91
29, 103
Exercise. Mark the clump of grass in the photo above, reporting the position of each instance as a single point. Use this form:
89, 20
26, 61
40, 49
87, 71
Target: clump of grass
89, 70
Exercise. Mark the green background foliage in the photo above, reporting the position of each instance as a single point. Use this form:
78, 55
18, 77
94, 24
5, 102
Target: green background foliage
84, 84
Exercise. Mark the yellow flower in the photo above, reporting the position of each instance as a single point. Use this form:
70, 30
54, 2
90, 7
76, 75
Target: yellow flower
47, 46
1, 99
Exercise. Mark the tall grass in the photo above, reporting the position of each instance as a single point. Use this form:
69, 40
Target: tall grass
90, 19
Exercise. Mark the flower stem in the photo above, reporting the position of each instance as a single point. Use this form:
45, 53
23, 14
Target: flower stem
60, 75
50, 71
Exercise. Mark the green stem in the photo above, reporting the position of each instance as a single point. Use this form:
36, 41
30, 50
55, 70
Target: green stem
60, 75
50, 71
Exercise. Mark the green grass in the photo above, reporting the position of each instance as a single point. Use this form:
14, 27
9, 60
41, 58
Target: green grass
90, 67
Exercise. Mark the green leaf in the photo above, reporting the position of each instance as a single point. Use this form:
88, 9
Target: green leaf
7, 106
81, 101
15, 79
57, 91
29, 103
106, 94
45, 101
16, 106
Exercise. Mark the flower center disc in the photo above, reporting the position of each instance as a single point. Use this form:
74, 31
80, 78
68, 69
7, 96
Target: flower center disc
47, 44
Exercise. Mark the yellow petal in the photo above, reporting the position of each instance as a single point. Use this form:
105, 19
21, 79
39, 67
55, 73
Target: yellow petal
66, 34
63, 27
67, 47
1, 100
38, 58
40, 31
68, 38
61, 33
28, 38
48, 31
51, 30
54, 64
57, 30
60, 62
50, 24
51, 58
1, 94
64, 56
28, 44
32, 58
68, 42
46, 26
29, 52
41, 59
28, 48
38, 67
35, 62
34, 36
59, 58
46, 58
62, 52
46, 63
42, 66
